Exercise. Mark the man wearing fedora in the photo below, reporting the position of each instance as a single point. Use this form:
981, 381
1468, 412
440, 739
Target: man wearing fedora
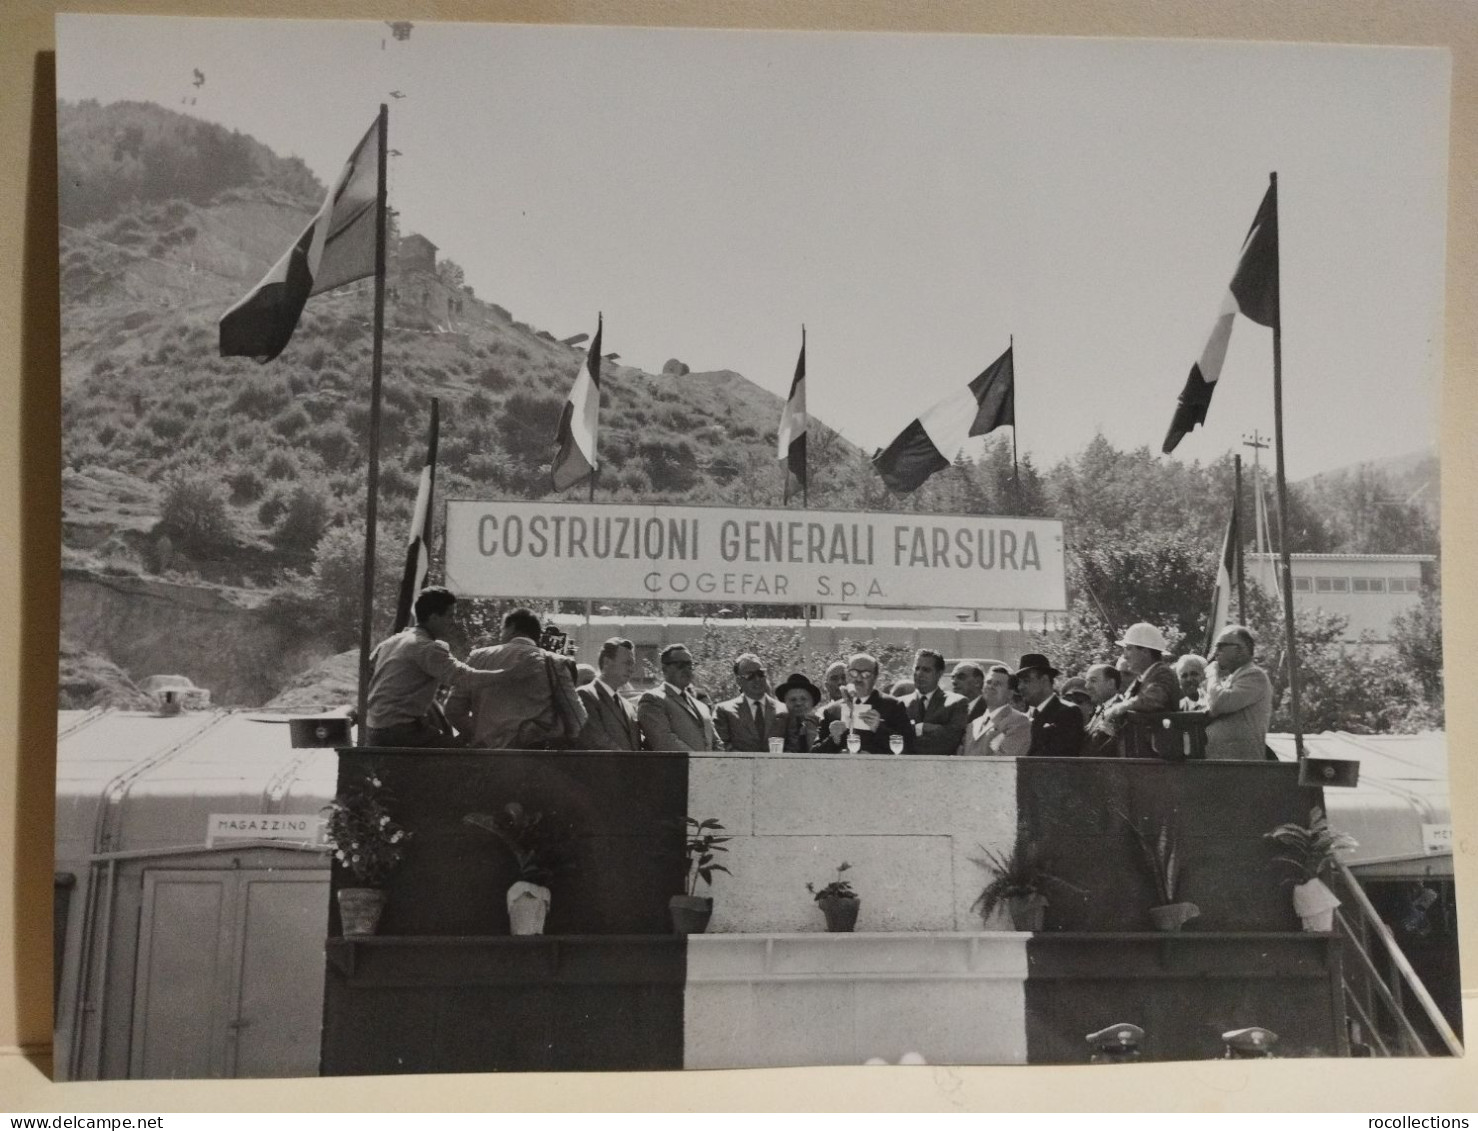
1057, 725
1155, 691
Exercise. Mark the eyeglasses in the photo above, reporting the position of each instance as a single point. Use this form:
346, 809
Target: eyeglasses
758, 673
858, 673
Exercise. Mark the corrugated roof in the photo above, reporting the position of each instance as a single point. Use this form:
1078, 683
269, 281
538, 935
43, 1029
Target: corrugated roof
1403, 786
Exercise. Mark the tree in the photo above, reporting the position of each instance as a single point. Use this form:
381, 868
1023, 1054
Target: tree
195, 515
1417, 637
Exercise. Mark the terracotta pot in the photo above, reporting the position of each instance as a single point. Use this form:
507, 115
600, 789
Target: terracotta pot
360, 910
841, 914
1314, 904
1173, 916
690, 913
1027, 911
528, 904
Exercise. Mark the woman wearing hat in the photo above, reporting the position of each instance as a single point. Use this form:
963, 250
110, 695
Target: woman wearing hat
802, 727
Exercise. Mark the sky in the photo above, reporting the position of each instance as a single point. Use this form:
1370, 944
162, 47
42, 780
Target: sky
918, 202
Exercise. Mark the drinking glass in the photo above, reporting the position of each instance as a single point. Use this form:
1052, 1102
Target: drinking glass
895, 743
854, 742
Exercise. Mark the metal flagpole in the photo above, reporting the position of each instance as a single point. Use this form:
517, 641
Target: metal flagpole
1237, 556
1015, 469
371, 507
1286, 563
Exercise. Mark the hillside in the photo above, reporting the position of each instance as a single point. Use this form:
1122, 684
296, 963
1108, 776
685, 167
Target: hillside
148, 270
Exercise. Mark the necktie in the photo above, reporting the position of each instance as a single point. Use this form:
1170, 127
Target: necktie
759, 720
916, 709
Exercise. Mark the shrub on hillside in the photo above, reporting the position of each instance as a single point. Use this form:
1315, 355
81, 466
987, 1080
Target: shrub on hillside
281, 465
335, 443
304, 520
290, 422
195, 515
246, 485
261, 397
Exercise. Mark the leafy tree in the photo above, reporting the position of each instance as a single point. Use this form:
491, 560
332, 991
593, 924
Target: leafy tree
195, 515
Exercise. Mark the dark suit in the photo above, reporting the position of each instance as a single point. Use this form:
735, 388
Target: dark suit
1057, 729
893, 719
734, 721
611, 722
944, 716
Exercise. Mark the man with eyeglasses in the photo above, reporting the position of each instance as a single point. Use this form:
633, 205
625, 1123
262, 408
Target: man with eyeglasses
754, 716
1239, 698
671, 717
866, 712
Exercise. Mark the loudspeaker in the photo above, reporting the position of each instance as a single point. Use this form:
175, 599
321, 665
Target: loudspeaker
332, 730
1335, 773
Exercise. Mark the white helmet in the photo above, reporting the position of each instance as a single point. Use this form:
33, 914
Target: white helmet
1145, 635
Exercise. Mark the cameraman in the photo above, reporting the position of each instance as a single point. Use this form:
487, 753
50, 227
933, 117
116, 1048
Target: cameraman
517, 710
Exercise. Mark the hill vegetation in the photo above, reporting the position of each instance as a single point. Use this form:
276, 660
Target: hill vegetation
180, 463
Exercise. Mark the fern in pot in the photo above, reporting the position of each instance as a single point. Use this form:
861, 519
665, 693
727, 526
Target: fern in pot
1312, 850
1018, 880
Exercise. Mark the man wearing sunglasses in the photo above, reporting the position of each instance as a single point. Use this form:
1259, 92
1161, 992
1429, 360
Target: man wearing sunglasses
751, 719
671, 717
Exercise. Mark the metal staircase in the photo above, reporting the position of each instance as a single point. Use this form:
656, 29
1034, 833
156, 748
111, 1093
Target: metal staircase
1389, 1011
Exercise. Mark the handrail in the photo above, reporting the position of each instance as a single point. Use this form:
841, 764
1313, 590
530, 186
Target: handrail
1370, 1028
1373, 920
1383, 991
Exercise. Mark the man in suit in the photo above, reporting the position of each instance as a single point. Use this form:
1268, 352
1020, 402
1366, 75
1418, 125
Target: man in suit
969, 681
871, 715
669, 716
1239, 698
1153, 693
1101, 738
1057, 725
754, 716
513, 710
1002, 730
611, 722
939, 717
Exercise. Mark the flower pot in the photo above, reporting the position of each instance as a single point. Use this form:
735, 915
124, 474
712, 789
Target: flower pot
841, 914
690, 913
527, 905
360, 910
1173, 916
1314, 903
1027, 911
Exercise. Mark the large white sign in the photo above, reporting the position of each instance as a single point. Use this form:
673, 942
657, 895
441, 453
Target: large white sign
671, 553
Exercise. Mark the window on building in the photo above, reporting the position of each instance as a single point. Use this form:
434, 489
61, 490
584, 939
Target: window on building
1323, 584
1303, 584
1340, 584
1369, 584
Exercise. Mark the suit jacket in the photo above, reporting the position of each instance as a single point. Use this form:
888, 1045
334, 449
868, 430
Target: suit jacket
735, 723
1101, 739
490, 715
1240, 706
1057, 729
611, 724
944, 717
1004, 731
668, 721
894, 720
1148, 698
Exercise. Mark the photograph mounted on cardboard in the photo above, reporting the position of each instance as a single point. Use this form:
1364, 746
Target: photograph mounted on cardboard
608, 548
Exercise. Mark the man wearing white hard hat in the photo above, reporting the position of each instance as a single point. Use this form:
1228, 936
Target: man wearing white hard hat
1154, 692
1239, 698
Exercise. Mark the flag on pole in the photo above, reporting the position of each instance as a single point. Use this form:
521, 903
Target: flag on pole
930, 442
575, 459
1253, 293
1227, 568
337, 247
793, 427
418, 548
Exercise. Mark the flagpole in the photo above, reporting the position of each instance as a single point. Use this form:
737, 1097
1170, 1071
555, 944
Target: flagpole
1286, 561
366, 616
1237, 526
1015, 469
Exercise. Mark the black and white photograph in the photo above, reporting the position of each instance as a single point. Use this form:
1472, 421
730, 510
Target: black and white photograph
620, 549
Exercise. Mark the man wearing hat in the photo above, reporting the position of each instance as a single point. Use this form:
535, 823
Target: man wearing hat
1057, 725
801, 724
1154, 692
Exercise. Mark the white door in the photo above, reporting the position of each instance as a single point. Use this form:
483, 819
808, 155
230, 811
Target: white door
229, 975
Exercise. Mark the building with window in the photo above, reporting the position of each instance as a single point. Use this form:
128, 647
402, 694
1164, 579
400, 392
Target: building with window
1370, 590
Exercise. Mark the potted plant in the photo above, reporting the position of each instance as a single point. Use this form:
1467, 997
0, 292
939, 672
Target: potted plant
1313, 853
690, 911
1162, 860
1017, 880
838, 902
536, 852
368, 843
